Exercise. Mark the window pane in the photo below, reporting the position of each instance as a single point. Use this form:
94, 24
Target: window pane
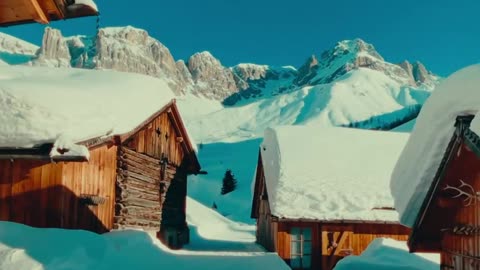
295, 261
307, 248
307, 234
295, 234
295, 247
307, 261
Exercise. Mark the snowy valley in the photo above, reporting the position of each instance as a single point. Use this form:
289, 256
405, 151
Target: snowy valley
226, 111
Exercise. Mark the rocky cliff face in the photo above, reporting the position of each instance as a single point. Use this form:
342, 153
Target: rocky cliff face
54, 50
211, 78
130, 49
349, 55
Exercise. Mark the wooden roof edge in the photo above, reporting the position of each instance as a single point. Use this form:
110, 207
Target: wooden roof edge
62, 12
125, 136
254, 210
335, 221
182, 130
462, 125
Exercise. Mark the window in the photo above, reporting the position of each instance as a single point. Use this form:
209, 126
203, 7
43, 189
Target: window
300, 248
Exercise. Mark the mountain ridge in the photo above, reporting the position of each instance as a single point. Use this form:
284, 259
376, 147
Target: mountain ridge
131, 49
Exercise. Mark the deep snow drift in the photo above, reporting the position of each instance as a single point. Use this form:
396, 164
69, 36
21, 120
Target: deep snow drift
330, 173
23, 247
389, 254
414, 172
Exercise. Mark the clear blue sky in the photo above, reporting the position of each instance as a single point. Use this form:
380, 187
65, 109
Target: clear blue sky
443, 34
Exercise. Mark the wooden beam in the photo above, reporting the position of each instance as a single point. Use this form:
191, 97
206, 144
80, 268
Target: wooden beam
39, 15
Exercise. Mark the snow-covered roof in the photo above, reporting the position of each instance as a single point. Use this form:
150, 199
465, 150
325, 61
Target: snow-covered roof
41, 105
415, 170
330, 173
89, 3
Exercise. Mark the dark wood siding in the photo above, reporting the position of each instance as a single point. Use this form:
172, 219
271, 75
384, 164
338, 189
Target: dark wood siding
454, 218
95, 177
29, 192
158, 139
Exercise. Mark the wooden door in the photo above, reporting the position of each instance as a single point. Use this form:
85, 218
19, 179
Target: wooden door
336, 242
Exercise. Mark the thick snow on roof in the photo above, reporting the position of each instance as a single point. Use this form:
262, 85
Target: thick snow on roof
89, 3
330, 173
413, 175
39, 105
389, 254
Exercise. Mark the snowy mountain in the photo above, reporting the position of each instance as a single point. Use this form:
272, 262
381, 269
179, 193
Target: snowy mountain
15, 51
133, 50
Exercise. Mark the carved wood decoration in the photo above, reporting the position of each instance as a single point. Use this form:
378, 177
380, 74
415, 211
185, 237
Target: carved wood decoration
463, 229
465, 191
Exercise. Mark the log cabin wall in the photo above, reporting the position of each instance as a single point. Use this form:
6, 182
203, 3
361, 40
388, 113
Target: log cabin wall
138, 191
152, 181
331, 242
94, 179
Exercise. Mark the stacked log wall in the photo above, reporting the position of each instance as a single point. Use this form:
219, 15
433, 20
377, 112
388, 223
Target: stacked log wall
140, 190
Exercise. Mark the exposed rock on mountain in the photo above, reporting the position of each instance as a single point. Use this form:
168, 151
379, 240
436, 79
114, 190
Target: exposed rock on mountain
132, 50
307, 71
211, 78
255, 81
54, 50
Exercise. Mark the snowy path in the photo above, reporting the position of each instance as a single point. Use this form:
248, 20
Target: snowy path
210, 231
216, 243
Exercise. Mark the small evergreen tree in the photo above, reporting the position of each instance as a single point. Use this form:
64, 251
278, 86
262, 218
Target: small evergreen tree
229, 182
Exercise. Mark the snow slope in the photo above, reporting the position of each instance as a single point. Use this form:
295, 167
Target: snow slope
16, 51
81, 104
23, 247
330, 173
357, 96
389, 254
419, 161
216, 158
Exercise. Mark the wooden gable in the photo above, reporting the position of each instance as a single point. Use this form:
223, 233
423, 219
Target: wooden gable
448, 218
41, 11
259, 187
163, 136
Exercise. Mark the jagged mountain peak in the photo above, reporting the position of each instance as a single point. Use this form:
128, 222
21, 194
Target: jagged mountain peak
348, 55
131, 49
356, 46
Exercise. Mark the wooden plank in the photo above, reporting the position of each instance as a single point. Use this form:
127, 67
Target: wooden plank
5, 189
38, 14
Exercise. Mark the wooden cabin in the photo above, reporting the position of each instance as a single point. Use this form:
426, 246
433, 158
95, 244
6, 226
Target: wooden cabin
436, 181
135, 179
448, 221
322, 194
13, 12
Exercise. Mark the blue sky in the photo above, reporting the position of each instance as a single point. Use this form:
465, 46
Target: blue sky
443, 34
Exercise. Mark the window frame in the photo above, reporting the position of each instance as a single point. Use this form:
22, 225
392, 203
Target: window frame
301, 253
